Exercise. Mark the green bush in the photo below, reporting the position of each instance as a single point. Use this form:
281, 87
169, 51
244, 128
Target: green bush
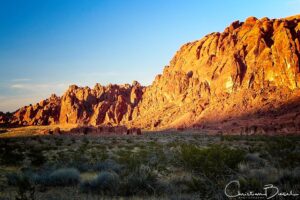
255, 159
212, 161
64, 177
37, 158
108, 165
11, 154
289, 176
104, 183
25, 188
133, 160
140, 181
12, 178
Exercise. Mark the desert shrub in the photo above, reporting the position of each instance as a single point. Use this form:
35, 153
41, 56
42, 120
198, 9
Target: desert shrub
182, 184
81, 166
140, 181
133, 160
73, 140
85, 141
83, 148
277, 145
296, 173
13, 158
26, 191
212, 161
108, 165
197, 184
98, 154
58, 141
177, 184
129, 140
255, 179
152, 156
104, 183
24, 184
262, 175
291, 176
25, 173
12, 178
284, 149
42, 179
158, 157
63, 177
255, 159
11, 154
232, 137
36, 156
250, 184
80, 162
206, 188
289, 159
244, 167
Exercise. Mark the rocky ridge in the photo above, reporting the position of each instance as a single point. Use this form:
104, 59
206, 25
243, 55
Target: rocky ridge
110, 105
252, 66
224, 81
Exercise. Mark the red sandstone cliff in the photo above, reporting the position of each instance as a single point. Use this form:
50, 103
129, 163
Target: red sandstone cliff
251, 66
231, 79
112, 105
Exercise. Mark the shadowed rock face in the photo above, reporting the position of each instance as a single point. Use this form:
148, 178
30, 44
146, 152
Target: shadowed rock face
251, 66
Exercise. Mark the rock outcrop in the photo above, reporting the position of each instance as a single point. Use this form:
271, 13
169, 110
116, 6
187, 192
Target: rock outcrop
43, 113
5, 118
109, 105
113, 104
251, 66
225, 80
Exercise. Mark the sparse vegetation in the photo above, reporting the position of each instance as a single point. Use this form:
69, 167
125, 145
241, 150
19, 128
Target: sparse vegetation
213, 160
64, 177
104, 183
192, 166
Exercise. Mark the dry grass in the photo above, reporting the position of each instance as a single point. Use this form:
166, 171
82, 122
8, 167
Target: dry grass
151, 166
28, 131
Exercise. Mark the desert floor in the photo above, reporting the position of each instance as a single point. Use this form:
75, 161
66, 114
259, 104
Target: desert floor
151, 166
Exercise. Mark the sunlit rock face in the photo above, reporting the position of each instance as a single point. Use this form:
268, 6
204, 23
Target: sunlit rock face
249, 71
250, 65
43, 113
112, 104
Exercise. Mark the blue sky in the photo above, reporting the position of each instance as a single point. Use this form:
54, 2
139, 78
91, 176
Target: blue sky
46, 45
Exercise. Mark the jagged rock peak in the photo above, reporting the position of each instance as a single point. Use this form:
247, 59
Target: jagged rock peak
252, 68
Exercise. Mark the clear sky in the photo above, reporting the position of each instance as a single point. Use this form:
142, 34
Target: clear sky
46, 45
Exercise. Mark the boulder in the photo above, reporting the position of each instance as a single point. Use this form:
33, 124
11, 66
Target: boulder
56, 130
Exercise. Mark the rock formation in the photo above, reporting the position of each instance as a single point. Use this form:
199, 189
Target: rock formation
43, 113
252, 65
4, 118
113, 104
230, 80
